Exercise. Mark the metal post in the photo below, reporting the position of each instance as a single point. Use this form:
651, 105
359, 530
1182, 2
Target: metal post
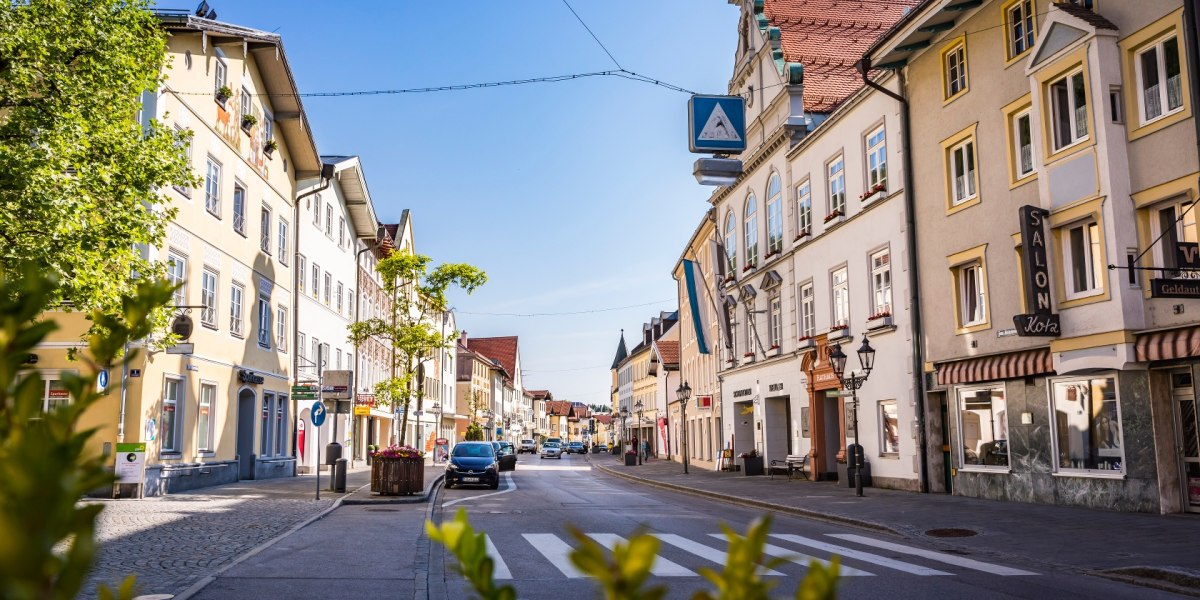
858, 454
684, 440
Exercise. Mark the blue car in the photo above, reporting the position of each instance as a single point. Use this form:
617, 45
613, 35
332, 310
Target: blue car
473, 463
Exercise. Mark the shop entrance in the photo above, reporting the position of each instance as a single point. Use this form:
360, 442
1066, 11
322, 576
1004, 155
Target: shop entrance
1188, 432
833, 437
245, 434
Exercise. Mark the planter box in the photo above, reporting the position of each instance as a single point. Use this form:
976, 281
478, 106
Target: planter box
838, 334
752, 465
879, 323
806, 344
397, 476
631, 460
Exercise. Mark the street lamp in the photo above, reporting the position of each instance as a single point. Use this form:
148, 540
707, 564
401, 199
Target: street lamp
437, 408
851, 382
625, 422
684, 393
637, 406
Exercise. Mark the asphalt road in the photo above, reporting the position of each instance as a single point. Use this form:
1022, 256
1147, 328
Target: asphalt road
527, 518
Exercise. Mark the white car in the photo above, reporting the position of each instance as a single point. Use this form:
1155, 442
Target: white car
527, 446
551, 449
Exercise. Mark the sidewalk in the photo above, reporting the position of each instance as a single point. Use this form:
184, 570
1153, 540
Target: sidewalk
1115, 544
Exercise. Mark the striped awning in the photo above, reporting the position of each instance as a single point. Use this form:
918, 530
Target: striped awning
999, 366
1167, 345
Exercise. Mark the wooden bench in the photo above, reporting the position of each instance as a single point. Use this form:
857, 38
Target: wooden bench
794, 463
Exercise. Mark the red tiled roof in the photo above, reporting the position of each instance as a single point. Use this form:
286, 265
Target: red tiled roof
538, 394
669, 350
503, 349
558, 407
606, 419
828, 37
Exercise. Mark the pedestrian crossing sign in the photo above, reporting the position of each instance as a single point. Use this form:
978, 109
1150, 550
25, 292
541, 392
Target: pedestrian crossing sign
716, 124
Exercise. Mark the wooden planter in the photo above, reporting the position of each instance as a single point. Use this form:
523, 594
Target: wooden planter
397, 476
631, 460
753, 465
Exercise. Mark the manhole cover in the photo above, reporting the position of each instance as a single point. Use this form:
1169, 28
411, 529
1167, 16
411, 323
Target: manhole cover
951, 532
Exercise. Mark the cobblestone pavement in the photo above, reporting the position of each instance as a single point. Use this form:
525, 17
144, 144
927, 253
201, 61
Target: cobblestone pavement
171, 541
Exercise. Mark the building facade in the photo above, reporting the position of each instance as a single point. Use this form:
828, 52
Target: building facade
699, 344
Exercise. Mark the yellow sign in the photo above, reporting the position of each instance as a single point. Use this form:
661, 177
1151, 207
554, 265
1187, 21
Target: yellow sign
362, 411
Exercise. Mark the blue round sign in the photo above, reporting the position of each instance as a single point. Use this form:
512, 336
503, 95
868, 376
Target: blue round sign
102, 379
318, 413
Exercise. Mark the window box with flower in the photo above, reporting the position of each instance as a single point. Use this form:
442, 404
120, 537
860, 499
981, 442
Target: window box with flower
270, 147
749, 267
838, 332
748, 356
774, 350
223, 94
877, 188
880, 320
834, 216
805, 342
248, 122
397, 470
803, 236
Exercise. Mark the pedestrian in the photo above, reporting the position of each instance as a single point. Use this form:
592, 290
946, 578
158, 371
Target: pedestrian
645, 449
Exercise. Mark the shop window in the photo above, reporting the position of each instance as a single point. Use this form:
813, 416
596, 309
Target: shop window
889, 428
281, 403
1087, 425
264, 440
170, 418
54, 393
982, 428
205, 417
1068, 110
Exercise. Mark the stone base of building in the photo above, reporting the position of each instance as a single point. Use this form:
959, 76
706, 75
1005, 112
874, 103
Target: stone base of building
273, 468
174, 478
1129, 495
896, 483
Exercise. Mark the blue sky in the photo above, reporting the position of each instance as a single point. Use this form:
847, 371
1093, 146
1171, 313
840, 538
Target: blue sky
573, 196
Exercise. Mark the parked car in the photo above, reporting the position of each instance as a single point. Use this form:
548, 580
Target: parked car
506, 455
551, 450
576, 448
553, 440
527, 446
600, 449
473, 463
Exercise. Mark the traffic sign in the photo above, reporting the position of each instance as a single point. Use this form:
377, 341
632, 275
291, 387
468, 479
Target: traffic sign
102, 380
318, 413
305, 391
716, 124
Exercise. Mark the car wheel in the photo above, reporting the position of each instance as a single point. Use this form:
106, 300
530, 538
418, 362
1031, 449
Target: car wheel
495, 484
449, 484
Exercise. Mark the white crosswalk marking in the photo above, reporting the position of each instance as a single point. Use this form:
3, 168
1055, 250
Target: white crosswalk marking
662, 567
555, 550
703, 551
805, 560
501, 570
859, 555
957, 561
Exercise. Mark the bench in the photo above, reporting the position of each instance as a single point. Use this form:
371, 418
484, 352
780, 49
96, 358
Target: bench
794, 463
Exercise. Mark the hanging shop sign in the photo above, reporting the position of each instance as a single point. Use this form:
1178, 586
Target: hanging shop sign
1185, 283
1042, 322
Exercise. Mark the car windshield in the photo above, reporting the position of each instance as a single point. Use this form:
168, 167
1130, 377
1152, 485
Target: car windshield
473, 450
550, 445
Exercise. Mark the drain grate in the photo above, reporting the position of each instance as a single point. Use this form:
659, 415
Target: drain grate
951, 532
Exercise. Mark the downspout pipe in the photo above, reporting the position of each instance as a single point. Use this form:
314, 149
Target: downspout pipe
1191, 29
327, 171
914, 278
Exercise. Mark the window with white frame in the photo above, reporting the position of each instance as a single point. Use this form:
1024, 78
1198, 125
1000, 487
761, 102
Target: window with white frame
731, 243
239, 209
212, 187
301, 273
962, 171
1022, 135
1087, 425
281, 329
954, 64
876, 161
177, 276
803, 209
329, 220
972, 299
208, 298
205, 418
982, 428
748, 306
316, 206
750, 235
881, 283
328, 288
1159, 78
1068, 109
341, 232
264, 439
264, 321
54, 393
889, 428
237, 295
283, 242
1175, 222
340, 292
302, 347
1019, 21
264, 231
316, 352
836, 176
840, 291
774, 215
170, 419
1083, 257
337, 358
245, 106
808, 311
220, 75
268, 126
184, 146
775, 322
316, 281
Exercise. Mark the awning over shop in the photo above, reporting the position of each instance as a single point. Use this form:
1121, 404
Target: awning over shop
1167, 345
999, 366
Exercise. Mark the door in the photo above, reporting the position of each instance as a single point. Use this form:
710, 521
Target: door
245, 434
1188, 433
947, 466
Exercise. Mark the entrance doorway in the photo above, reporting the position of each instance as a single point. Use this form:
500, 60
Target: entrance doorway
245, 434
832, 431
777, 422
743, 427
1188, 432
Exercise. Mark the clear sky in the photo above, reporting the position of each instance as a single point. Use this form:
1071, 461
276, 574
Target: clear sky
572, 196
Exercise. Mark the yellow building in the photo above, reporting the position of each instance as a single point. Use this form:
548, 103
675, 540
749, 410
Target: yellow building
698, 350
216, 409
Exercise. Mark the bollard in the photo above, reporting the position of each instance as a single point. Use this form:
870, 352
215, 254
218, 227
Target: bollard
339, 475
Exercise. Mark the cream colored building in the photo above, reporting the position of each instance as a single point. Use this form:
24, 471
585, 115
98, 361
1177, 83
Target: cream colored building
699, 344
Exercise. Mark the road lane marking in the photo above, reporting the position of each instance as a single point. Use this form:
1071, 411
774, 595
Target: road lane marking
958, 561
501, 570
662, 567
555, 550
805, 560
512, 487
703, 551
874, 559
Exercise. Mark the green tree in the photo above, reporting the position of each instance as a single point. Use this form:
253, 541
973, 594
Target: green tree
79, 174
418, 296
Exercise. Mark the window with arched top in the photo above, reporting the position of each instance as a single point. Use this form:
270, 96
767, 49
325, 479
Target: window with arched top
774, 216
751, 234
731, 242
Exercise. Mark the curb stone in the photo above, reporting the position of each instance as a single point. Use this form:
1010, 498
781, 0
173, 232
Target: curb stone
424, 497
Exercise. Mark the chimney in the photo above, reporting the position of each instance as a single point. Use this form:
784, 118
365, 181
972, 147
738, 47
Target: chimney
462, 338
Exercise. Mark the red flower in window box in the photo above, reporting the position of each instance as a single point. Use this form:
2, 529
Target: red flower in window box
833, 215
748, 267
804, 338
748, 355
879, 315
879, 187
774, 347
839, 327
802, 235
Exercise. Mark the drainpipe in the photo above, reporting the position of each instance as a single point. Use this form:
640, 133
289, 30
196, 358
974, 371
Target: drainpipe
326, 178
1191, 30
910, 224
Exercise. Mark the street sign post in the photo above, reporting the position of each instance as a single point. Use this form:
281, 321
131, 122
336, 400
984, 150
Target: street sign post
317, 416
305, 391
716, 124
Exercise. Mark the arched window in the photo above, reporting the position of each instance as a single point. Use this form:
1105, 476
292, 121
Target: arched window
774, 216
731, 243
751, 231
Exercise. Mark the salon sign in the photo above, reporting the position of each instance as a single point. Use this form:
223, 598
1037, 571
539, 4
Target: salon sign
1041, 322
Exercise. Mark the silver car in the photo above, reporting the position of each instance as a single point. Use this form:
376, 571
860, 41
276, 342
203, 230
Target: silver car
527, 446
551, 450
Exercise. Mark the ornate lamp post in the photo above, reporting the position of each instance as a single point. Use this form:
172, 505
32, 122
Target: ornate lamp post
684, 393
851, 382
638, 407
625, 423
